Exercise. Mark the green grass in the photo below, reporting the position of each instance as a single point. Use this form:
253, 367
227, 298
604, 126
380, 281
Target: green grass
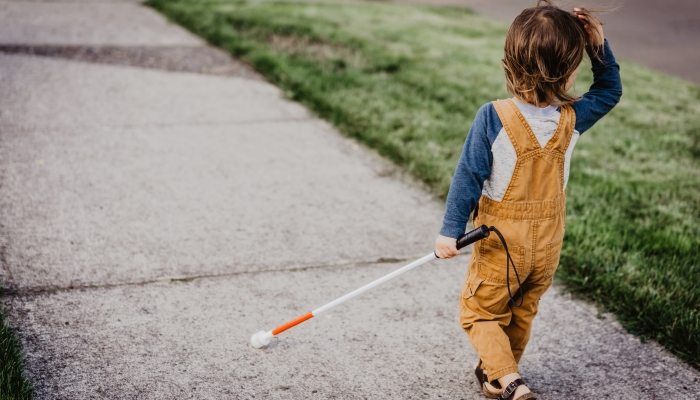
13, 385
408, 80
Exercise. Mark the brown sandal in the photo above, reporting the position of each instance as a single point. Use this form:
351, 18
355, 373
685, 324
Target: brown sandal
482, 379
509, 391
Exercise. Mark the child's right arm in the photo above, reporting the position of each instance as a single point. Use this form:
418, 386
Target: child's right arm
473, 168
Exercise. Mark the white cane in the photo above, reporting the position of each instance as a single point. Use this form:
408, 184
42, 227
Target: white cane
262, 338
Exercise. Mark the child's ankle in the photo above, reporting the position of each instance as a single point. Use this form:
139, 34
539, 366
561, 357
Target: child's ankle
492, 388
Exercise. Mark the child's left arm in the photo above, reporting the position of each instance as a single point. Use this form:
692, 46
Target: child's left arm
606, 90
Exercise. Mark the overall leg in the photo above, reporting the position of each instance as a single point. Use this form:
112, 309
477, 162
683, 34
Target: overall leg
484, 312
518, 331
545, 257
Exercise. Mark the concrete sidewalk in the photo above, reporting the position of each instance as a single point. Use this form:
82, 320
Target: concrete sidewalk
151, 221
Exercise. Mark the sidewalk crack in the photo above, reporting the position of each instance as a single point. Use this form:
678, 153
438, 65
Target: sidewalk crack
201, 59
188, 279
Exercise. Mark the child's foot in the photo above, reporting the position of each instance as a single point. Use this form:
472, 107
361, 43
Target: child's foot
515, 388
492, 388
487, 389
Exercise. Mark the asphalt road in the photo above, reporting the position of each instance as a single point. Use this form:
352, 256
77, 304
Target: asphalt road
663, 35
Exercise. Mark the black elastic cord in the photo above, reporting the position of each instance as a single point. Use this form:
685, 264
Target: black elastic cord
509, 261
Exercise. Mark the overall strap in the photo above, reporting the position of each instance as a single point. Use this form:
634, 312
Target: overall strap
565, 130
517, 128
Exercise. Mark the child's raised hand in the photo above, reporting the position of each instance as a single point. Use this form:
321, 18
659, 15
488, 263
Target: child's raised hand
592, 25
446, 247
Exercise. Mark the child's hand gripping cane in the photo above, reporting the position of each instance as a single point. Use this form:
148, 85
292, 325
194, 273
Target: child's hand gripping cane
446, 247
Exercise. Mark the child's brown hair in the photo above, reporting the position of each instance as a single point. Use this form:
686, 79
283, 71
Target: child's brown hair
544, 46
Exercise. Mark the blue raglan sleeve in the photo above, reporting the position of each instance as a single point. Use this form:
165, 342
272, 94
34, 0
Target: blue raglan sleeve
605, 92
473, 169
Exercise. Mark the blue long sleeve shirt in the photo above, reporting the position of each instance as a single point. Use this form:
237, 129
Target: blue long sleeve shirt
487, 160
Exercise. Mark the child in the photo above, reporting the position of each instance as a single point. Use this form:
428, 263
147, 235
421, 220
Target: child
513, 174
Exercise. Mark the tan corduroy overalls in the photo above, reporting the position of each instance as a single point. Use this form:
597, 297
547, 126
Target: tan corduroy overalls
531, 219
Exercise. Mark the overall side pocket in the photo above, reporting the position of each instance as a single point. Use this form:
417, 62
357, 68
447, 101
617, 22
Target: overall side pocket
552, 259
471, 284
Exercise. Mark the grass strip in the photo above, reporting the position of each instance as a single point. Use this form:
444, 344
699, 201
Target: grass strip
408, 80
13, 384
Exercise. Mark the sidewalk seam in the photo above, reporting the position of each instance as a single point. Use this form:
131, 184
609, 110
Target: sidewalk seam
186, 279
66, 128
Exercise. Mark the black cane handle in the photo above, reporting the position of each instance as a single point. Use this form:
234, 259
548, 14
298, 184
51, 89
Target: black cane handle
472, 236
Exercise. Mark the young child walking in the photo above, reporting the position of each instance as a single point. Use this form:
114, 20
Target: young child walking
513, 174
